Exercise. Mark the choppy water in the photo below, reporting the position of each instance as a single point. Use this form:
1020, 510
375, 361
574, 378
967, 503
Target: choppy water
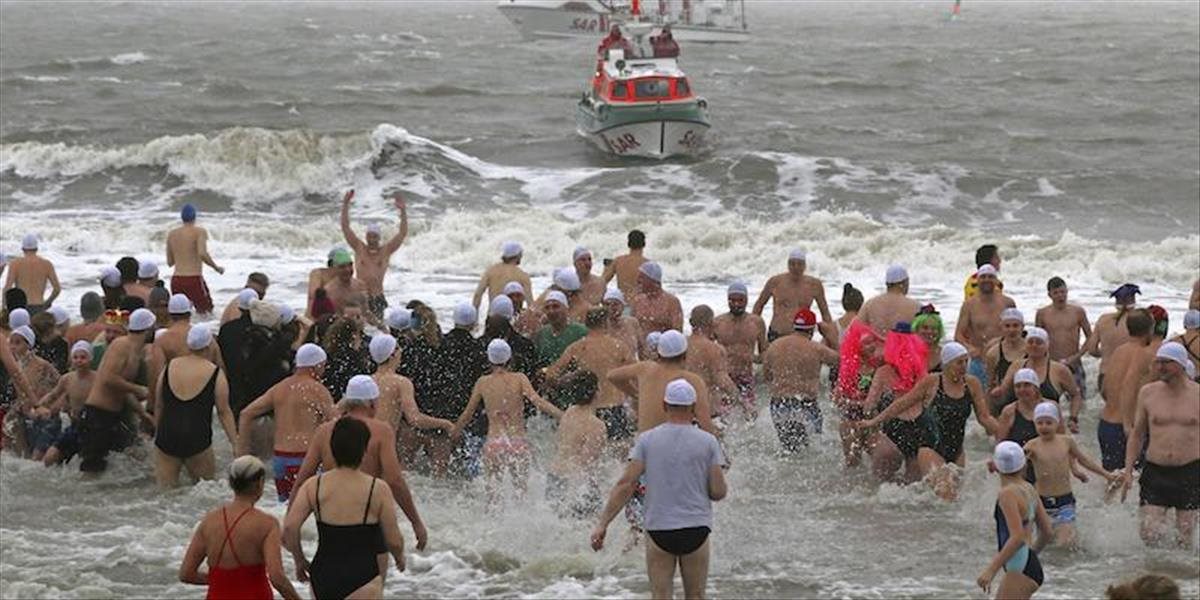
867, 133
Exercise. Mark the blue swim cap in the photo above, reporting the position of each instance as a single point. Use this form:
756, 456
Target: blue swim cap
188, 213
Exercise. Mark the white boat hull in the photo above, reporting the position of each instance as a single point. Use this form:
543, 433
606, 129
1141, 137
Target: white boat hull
650, 139
536, 22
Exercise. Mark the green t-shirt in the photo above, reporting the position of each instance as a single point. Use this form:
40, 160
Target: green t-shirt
551, 346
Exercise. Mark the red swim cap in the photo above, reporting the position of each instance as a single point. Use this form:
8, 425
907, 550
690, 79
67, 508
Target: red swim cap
804, 319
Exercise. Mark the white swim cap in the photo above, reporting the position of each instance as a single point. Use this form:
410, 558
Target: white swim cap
580, 252
29, 242
895, 274
147, 269
1012, 314
952, 351
373, 229
141, 320
556, 296
499, 352
987, 269
797, 254
1046, 410
1191, 319
199, 337
245, 297
465, 315
110, 277
1008, 457
1026, 376
1173, 351
737, 288
614, 294
671, 344
26, 333
179, 304
263, 313
60, 315
680, 393
286, 314
567, 280
1037, 333
501, 306
382, 347
399, 319
511, 249
513, 287
82, 346
18, 317
652, 340
309, 355
651, 270
361, 388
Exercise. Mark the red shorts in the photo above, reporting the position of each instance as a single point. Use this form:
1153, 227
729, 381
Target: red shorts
195, 289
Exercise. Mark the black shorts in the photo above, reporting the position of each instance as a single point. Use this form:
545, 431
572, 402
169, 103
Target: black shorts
616, 421
680, 542
100, 432
1171, 487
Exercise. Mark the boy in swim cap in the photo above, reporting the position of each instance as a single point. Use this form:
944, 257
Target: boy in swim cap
69, 395
187, 252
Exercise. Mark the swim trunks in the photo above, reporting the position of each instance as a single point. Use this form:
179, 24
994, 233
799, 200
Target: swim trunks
506, 450
42, 432
194, 287
746, 397
1061, 509
795, 418
286, 465
978, 367
377, 304
680, 542
1175, 487
616, 421
68, 442
100, 432
1112, 445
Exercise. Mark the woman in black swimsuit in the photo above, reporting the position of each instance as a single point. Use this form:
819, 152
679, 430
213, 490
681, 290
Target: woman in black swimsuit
1055, 377
356, 522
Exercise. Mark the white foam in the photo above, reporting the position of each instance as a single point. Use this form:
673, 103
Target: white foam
1047, 189
44, 78
129, 58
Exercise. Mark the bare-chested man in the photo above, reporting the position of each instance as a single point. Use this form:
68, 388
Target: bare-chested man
498, 275
32, 273
979, 320
709, 360
397, 404
591, 287
744, 337
571, 484
1108, 334
69, 395
344, 285
1168, 411
187, 252
1111, 430
882, 312
625, 329
792, 291
625, 267
598, 353
792, 368
371, 258
259, 282
299, 403
102, 428
653, 307
380, 459
1065, 321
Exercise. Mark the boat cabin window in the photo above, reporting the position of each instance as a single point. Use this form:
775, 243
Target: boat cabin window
681, 87
652, 88
619, 90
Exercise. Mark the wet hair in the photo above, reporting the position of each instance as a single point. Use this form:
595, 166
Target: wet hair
578, 388
128, 266
637, 239
132, 303
429, 329
349, 441
245, 473
159, 297
985, 254
339, 336
1147, 587
91, 306
42, 325
595, 318
259, 278
1139, 322
1055, 283
852, 298
702, 316
15, 298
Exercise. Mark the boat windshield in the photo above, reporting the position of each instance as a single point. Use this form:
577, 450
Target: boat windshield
657, 87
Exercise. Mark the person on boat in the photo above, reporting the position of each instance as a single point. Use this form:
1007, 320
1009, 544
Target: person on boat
614, 41
664, 44
257, 540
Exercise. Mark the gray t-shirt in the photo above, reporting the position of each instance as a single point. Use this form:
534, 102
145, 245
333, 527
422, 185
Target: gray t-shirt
677, 459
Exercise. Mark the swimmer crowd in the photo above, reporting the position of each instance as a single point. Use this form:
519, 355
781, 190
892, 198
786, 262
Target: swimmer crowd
347, 393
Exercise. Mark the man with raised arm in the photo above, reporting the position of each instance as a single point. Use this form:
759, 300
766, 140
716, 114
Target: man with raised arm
371, 258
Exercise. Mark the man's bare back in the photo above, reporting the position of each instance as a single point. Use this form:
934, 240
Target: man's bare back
656, 311
496, 277
32, 274
300, 404
792, 366
597, 353
885, 310
650, 381
709, 360
625, 269
187, 250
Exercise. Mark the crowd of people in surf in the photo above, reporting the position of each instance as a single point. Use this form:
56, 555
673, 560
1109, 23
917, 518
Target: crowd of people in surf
345, 394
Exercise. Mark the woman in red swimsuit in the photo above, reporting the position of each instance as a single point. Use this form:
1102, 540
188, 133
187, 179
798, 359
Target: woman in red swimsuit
240, 542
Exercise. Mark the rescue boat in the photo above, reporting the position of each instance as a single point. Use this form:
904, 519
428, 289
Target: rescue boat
642, 107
